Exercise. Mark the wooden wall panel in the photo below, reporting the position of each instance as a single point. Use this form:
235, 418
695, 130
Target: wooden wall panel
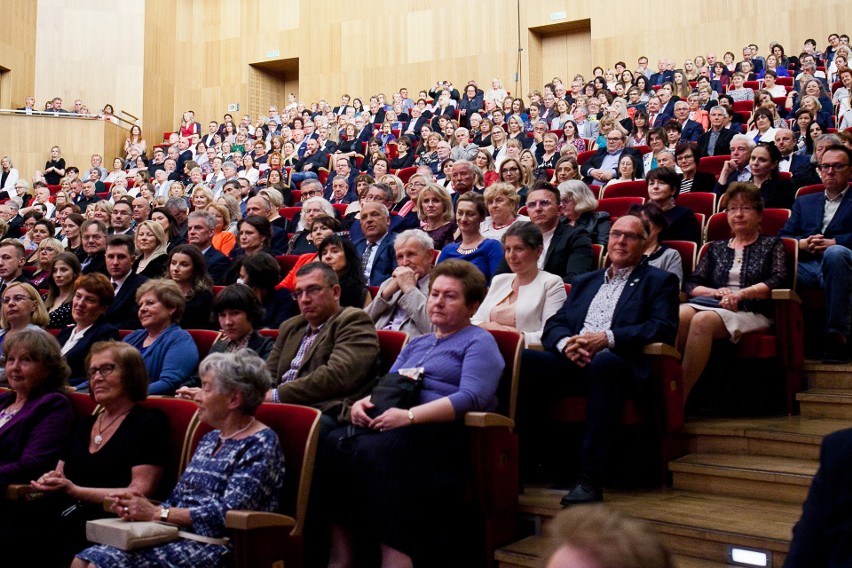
77, 138
17, 52
92, 50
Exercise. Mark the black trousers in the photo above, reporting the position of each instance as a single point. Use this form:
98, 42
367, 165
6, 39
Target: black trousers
605, 382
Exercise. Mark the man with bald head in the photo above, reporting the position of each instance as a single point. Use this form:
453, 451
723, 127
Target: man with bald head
593, 346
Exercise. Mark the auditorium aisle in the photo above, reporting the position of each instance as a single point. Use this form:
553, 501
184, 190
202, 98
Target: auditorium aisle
742, 482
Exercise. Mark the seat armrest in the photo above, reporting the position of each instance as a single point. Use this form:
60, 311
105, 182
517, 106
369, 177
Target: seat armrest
786, 294
242, 520
487, 420
661, 349
17, 492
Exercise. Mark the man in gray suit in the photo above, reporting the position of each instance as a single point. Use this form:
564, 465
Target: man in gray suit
400, 304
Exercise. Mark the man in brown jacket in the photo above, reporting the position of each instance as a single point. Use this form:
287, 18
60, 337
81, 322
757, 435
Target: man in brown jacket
328, 353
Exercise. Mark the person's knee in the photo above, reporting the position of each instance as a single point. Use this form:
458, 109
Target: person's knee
837, 257
704, 323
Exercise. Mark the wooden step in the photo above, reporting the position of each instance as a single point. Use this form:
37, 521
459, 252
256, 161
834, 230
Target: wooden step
787, 436
822, 376
698, 525
760, 477
826, 403
525, 554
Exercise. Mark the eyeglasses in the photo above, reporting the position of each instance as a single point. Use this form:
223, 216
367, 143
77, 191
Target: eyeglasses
615, 139
616, 235
16, 299
541, 203
512, 170
835, 167
309, 291
104, 370
745, 209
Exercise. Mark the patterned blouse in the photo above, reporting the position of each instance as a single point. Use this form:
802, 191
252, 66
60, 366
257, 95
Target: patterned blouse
764, 261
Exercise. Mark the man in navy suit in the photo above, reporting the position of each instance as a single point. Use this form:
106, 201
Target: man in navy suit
603, 166
823, 536
378, 257
662, 75
201, 227
594, 347
120, 253
822, 223
690, 130
382, 193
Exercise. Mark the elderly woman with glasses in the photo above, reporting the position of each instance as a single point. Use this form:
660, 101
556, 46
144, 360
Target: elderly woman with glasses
731, 288
239, 465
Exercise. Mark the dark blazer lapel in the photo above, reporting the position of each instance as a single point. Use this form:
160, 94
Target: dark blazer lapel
558, 241
634, 283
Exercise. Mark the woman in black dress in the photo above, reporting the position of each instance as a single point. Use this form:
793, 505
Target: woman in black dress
188, 268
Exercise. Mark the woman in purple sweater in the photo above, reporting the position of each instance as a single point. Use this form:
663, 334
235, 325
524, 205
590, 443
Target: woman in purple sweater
399, 483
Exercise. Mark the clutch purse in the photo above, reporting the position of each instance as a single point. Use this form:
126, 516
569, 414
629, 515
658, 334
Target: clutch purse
705, 301
396, 390
130, 535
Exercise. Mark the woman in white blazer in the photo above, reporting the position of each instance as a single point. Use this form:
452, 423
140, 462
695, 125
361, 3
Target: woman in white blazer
523, 299
8, 175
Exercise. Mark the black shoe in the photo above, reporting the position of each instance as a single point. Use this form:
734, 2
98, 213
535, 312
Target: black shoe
837, 352
582, 493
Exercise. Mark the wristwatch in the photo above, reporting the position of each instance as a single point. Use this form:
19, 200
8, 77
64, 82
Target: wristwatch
164, 514
411, 416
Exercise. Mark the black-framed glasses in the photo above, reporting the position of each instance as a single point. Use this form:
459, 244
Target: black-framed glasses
309, 291
105, 370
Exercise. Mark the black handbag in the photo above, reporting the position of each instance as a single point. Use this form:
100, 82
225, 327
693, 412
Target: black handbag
396, 390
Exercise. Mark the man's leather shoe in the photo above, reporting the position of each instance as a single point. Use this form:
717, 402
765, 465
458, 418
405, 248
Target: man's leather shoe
582, 493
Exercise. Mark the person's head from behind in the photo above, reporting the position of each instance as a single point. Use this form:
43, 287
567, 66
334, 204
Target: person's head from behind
116, 371
260, 271
595, 536
317, 292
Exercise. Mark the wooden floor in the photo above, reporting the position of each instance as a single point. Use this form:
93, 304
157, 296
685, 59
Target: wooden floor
742, 484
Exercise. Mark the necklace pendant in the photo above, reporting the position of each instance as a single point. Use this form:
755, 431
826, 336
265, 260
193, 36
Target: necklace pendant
98, 439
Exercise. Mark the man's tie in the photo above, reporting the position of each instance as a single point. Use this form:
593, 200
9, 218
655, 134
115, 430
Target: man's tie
365, 259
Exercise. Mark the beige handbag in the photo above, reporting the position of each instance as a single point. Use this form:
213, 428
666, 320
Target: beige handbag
130, 535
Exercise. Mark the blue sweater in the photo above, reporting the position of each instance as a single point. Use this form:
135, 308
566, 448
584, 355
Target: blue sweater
486, 257
170, 360
465, 367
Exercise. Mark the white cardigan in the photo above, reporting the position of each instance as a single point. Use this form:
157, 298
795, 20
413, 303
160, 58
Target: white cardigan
537, 301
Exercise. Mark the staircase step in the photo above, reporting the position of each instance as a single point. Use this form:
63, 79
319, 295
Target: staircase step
787, 436
762, 477
824, 376
826, 403
696, 525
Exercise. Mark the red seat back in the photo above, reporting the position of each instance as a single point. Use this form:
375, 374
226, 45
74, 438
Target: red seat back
712, 164
773, 221
618, 206
390, 346
182, 418
687, 251
638, 188
286, 262
699, 202
809, 189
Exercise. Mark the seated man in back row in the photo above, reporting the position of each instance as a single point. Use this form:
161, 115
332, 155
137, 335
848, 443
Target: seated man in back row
594, 347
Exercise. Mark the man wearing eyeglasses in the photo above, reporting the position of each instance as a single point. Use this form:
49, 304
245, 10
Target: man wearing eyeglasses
822, 223
567, 250
594, 347
327, 353
603, 166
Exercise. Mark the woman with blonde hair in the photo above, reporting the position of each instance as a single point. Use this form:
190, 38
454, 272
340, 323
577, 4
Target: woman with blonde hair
435, 211
502, 202
22, 308
151, 248
47, 250
233, 207
223, 240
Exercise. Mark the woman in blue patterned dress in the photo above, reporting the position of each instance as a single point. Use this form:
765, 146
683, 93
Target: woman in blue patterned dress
237, 466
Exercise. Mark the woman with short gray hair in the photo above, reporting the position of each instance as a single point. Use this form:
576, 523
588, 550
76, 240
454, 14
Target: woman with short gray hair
578, 206
239, 465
